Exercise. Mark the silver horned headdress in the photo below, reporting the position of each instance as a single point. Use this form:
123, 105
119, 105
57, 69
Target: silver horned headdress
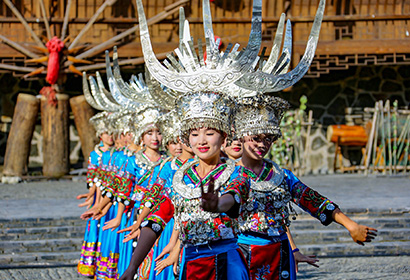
273, 77
191, 73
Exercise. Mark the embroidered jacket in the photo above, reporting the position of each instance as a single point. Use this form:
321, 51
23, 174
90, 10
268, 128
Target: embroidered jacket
109, 169
266, 208
158, 198
197, 226
93, 169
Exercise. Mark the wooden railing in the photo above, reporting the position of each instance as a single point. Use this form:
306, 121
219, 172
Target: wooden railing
350, 27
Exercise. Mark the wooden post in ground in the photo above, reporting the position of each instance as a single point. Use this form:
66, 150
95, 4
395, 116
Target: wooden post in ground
21, 132
55, 131
82, 113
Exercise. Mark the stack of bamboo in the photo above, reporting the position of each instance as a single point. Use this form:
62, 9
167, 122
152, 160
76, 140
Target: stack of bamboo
387, 150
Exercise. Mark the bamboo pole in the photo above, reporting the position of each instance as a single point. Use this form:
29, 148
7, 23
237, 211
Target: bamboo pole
394, 120
383, 132
18, 47
65, 22
369, 147
133, 61
24, 22
401, 141
406, 150
389, 138
307, 144
91, 22
17, 68
43, 12
155, 19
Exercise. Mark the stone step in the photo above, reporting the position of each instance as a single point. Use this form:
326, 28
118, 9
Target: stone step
37, 246
41, 222
393, 248
328, 236
39, 233
40, 259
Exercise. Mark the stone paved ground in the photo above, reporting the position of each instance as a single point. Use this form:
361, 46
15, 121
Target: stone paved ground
57, 199
51, 199
397, 268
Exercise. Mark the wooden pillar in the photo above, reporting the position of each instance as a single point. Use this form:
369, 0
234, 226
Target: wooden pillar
21, 133
82, 112
55, 131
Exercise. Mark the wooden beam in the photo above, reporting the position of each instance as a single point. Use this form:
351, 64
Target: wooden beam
344, 47
198, 20
24, 22
91, 22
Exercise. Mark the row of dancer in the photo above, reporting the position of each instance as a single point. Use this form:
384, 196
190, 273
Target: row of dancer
219, 218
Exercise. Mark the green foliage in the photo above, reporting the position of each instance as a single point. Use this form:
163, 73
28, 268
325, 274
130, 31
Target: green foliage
286, 150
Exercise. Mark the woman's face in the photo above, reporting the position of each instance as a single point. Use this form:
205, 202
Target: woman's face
107, 139
175, 149
186, 148
120, 141
206, 142
257, 146
152, 138
234, 151
129, 138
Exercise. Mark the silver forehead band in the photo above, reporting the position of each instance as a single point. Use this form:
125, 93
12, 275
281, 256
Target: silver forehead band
191, 73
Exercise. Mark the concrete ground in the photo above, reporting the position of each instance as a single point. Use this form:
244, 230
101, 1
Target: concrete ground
397, 268
52, 199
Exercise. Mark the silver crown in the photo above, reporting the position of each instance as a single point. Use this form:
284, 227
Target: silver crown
191, 73
259, 115
205, 109
100, 123
170, 125
144, 121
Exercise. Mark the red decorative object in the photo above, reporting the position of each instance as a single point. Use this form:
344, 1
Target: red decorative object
55, 47
50, 94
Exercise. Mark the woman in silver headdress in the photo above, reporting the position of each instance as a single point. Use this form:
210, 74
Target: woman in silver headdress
265, 215
209, 238
136, 172
169, 125
88, 259
233, 150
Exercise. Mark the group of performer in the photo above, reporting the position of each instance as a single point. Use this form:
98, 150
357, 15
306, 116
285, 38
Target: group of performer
182, 189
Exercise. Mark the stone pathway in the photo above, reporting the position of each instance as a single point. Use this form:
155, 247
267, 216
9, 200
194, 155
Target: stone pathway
397, 268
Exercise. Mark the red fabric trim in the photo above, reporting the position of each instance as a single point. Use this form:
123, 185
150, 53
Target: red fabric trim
202, 268
265, 261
